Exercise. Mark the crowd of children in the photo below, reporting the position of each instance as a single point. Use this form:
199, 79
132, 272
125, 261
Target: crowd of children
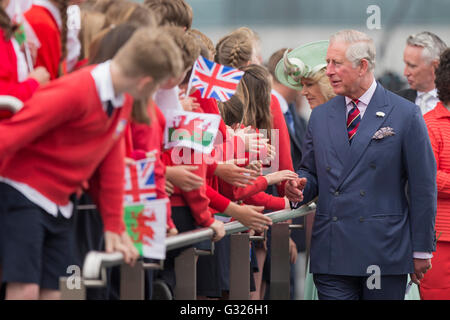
98, 79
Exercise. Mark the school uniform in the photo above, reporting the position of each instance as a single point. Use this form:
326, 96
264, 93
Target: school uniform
14, 79
57, 142
283, 148
45, 20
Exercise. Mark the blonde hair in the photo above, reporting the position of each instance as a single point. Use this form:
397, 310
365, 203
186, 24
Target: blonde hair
206, 43
189, 46
150, 52
323, 81
172, 12
235, 49
251, 103
92, 22
130, 12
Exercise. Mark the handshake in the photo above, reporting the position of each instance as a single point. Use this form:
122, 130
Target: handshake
294, 189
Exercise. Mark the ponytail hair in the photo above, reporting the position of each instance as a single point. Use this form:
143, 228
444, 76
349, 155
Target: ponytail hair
6, 24
62, 6
235, 50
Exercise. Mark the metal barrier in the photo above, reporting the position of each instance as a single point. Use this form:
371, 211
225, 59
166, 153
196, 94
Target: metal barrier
132, 278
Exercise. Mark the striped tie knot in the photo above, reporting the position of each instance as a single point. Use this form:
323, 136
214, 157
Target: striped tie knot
353, 120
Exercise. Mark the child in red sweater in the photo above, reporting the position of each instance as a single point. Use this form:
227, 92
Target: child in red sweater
14, 77
44, 162
48, 19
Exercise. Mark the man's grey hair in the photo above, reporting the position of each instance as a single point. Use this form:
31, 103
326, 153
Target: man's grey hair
432, 45
361, 46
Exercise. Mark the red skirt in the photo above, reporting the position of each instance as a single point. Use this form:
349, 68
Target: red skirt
436, 283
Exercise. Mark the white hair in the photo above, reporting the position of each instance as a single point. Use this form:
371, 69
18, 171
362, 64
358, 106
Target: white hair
360, 47
432, 45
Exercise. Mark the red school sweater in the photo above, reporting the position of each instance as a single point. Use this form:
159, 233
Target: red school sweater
9, 82
146, 138
252, 194
284, 145
49, 35
63, 137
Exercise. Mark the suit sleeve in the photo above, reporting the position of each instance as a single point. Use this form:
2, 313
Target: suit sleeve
308, 166
420, 166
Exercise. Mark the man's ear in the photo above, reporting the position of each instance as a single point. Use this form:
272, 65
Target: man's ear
144, 82
435, 64
364, 65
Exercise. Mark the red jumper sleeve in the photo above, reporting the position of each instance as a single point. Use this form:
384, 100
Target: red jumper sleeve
106, 188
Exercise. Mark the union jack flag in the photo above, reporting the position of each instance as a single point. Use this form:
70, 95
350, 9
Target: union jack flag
214, 80
140, 181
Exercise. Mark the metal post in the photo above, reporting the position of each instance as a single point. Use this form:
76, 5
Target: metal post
132, 285
279, 262
239, 266
186, 275
78, 292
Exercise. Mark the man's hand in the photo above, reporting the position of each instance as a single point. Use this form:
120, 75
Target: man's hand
219, 230
294, 189
234, 175
280, 176
183, 178
122, 243
421, 266
249, 216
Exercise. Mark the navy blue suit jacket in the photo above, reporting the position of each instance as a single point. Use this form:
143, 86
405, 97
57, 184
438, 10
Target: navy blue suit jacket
363, 215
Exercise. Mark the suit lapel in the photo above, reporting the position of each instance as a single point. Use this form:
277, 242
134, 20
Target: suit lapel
337, 128
370, 123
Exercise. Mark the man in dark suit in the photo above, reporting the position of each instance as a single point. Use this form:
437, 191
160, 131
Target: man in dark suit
421, 58
360, 150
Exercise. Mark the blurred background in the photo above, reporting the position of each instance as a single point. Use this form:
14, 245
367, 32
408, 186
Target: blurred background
290, 23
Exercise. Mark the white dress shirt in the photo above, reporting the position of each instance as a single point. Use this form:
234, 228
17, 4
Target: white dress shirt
105, 89
431, 102
364, 100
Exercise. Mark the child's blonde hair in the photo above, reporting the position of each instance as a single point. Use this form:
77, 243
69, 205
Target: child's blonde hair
150, 52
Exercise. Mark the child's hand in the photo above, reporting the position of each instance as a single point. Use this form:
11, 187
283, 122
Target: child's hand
280, 176
121, 243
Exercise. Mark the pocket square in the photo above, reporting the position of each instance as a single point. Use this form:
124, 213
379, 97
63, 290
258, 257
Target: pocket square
383, 132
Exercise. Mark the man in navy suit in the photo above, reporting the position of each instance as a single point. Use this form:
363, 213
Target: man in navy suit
362, 148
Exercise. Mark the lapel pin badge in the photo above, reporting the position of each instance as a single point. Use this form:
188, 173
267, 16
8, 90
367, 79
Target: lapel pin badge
380, 114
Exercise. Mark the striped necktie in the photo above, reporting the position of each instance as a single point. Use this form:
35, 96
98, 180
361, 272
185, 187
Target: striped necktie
353, 120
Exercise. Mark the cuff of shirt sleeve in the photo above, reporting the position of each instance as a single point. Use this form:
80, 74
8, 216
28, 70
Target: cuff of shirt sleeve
422, 255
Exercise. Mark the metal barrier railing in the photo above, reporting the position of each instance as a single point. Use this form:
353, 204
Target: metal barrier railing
132, 278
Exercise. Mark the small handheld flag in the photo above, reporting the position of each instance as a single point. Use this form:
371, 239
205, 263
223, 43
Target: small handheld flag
193, 130
140, 181
214, 80
146, 225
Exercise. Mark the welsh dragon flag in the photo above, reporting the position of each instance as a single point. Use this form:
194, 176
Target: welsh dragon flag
146, 225
193, 130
